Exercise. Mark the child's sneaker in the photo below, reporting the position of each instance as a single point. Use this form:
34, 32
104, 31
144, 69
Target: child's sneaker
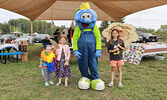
46, 84
111, 84
51, 82
120, 84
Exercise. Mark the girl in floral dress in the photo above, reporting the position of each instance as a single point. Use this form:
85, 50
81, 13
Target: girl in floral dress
62, 63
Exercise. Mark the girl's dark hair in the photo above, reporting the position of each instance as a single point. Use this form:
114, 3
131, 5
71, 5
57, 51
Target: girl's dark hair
56, 30
111, 38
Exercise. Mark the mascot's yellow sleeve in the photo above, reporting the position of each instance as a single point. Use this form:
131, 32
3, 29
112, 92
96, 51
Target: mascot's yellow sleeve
77, 34
98, 37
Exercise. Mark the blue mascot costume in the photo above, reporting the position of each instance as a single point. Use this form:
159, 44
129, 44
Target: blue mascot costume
87, 47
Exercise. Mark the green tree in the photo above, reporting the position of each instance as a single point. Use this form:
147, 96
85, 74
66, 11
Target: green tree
49, 31
5, 28
145, 30
24, 26
163, 28
62, 27
37, 27
162, 31
103, 25
72, 25
1, 27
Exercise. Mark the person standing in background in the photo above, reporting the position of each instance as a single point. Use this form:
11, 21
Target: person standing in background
57, 35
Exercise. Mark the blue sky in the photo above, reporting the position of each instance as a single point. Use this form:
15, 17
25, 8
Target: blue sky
150, 18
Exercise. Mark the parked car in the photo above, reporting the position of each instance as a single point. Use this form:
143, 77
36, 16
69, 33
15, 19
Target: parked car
26, 38
39, 37
140, 39
148, 37
7, 36
160, 37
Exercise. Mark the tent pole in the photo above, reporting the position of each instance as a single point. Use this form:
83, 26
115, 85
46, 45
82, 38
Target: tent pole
31, 29
31, 39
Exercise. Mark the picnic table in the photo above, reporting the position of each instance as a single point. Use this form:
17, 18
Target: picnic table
136, 51
5, 51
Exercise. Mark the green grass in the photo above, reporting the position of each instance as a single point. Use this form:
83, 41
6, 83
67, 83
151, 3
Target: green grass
23, 81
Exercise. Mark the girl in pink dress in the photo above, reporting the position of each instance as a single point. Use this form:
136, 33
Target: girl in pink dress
62, 63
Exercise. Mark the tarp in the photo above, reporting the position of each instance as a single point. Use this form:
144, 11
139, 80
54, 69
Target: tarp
111, 10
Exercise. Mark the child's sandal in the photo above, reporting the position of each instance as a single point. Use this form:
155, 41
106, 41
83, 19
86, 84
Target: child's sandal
66, 85
58, 84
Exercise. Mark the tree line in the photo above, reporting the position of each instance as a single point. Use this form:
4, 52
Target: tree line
44, 27
24, 26
161, 32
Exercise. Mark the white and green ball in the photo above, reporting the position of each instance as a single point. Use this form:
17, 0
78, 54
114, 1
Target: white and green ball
97, 84
84, 83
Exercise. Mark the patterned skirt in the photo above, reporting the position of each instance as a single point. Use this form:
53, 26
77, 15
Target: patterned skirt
61, 70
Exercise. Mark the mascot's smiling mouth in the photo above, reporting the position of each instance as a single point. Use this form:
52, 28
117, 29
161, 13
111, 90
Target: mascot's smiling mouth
85, 25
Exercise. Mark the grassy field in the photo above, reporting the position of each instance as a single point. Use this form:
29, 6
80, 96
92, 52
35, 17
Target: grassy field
23, 81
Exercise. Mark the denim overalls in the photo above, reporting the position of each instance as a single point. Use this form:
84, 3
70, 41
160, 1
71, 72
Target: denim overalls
87, 48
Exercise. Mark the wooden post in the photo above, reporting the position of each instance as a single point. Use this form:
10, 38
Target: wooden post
31, 39
24, 49
31, 29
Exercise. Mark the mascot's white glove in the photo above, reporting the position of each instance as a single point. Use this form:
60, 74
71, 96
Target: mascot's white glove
98, 53
77, 54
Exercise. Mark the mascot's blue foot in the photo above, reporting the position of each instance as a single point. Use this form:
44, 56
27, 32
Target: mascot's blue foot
97, 84
84, 83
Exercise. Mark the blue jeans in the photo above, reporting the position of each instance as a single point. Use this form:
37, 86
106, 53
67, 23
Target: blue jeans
87, 48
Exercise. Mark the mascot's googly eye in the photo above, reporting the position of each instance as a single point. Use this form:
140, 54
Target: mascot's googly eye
86, 15
89, 15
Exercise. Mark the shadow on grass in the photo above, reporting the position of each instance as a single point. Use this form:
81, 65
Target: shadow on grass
146, 59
